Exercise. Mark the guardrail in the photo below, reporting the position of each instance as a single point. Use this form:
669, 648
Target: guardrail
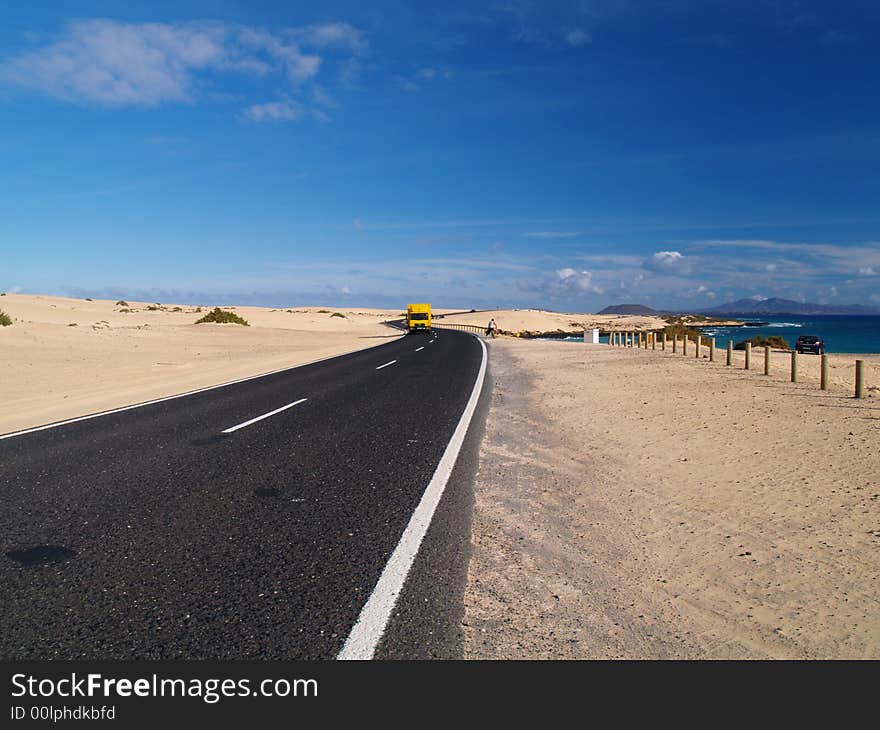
456, 325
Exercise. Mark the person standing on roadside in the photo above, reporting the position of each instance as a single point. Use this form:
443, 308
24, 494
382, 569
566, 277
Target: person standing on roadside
490, 330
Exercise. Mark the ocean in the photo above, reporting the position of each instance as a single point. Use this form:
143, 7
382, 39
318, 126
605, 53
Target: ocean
839, 332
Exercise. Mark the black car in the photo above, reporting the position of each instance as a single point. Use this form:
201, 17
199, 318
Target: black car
810, 343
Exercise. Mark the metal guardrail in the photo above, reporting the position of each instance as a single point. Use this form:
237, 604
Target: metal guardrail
456, 325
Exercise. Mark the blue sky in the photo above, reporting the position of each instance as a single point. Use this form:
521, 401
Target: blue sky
563, 155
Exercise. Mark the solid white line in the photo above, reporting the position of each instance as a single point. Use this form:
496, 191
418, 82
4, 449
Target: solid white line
420, 348
367, 632
386, 364
265, 415
180, 395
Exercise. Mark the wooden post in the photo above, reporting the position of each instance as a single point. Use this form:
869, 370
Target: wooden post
794, 366
823, 377
664, 340
699, 345
675, 343
653, 340
730, 352
684, 346
748, 355
766, 359
860, 379
712, 349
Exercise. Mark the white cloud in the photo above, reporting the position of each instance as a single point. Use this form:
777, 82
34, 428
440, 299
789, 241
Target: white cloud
770, 268
571, 280
665, 261
867, 271
577, 37
339, 36
273, 111
551, 234
112, 63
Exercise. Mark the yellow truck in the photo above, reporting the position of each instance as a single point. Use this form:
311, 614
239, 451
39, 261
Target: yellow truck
418, 318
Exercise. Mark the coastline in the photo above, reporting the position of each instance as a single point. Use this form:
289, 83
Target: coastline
638, 505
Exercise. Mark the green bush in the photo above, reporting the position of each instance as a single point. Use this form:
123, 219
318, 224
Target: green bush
222, 317
774, 341
5, 319
177, 309
681, 331
122, 303
323, 311
338, 314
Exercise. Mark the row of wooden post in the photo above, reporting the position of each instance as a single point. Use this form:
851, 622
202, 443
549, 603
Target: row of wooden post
649, 339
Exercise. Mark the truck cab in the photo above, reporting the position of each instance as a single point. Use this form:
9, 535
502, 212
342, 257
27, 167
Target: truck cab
418, 318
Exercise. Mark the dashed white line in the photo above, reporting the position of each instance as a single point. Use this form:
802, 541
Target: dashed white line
88, 417
420, 348
386, 364
265, 415
367, 632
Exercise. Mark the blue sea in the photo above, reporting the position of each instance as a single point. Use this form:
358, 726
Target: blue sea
839, 332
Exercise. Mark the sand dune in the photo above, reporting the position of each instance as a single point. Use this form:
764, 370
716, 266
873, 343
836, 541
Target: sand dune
532, 320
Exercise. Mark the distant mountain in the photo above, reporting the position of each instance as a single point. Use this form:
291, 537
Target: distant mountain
628, 309
775, 305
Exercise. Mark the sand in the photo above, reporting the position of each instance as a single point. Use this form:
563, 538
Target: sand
53, 371
644, 505
534, 320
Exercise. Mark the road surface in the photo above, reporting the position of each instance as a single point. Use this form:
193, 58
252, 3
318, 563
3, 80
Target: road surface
253, 520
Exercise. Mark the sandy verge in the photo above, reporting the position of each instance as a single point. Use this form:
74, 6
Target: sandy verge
111, 358
640, 504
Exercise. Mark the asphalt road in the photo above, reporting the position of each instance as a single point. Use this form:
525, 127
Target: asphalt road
188, 529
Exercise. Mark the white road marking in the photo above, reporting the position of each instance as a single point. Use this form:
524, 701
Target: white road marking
367, 632
178, 395
386, 364
265, 415
420, 348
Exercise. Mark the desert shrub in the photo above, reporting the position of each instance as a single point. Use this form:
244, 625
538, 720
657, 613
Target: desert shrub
681, 331
5, 319
2, 294
72, 324
222, 317
89, 299
125, 310
774, 341
122, 303
338, 314
323, 311
177, 309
